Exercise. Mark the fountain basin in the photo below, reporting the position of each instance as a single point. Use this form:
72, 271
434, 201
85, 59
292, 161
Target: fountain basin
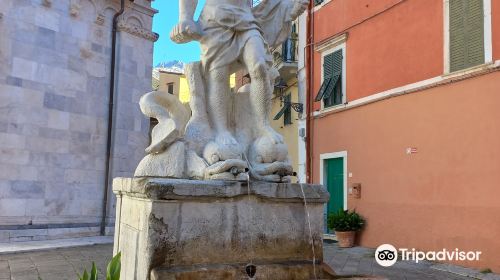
188, 229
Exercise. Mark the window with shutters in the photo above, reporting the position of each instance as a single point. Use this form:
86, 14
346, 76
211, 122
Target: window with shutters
331, 92
287, 119
466, 34
170, 88
317, 2
286, 110
320, 3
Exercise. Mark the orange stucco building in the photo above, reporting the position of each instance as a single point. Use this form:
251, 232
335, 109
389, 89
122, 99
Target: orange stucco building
403, 118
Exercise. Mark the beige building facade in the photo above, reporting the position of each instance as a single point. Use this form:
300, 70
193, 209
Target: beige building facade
287, 102
287, 123
174, 83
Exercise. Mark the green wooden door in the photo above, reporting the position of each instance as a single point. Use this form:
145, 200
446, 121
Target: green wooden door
335, 184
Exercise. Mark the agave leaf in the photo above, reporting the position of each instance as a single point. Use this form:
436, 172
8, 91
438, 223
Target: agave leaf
85, 275
114, 266
93, 272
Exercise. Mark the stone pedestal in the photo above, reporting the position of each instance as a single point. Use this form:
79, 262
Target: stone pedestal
185, 229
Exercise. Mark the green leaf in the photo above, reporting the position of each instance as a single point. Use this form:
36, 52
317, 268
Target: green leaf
85, 275
93, 272
114, 267
345, 221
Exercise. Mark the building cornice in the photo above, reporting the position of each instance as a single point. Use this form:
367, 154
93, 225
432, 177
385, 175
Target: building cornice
144, 10
331, 42
170, 72
147, 10
137, 31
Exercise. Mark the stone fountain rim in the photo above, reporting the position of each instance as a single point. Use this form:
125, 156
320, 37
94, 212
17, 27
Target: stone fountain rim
160, 188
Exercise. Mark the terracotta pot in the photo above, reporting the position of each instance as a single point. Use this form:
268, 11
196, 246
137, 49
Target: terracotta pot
345, 238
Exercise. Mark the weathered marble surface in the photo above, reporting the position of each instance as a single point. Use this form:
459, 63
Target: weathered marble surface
170, 228
54, 84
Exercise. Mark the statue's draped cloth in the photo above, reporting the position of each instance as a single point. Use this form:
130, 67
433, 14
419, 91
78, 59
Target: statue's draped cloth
227, 28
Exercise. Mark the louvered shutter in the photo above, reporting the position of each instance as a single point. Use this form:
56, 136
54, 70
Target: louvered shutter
466, 34
285, 110
281, 112
327, 76
475, 33
332, 75
457, 35
328, 66
322, 89
337, 62
287, 119
334, 70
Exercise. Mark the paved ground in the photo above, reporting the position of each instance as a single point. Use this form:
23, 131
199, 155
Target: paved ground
59, 264
360, 260
29, 246
56, 264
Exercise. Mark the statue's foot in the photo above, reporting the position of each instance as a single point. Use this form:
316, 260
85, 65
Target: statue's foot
224, 147
264, 150
270, 133
231, 169
269, 161
225, 138
273, 172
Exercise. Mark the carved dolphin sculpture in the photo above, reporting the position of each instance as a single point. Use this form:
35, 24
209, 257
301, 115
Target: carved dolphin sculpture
166, 154
172, 118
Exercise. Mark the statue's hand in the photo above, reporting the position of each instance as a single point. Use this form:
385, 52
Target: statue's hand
299, 6
185, 31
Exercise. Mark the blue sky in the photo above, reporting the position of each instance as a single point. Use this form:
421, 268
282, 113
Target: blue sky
165, 49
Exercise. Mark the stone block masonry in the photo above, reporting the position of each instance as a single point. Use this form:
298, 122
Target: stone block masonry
188, 229
54, 84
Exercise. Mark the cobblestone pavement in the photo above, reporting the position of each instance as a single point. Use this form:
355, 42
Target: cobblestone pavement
64, 264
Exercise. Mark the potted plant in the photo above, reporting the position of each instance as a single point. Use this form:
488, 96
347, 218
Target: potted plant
345, 223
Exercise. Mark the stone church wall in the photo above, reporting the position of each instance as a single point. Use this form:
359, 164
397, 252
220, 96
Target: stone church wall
54, 94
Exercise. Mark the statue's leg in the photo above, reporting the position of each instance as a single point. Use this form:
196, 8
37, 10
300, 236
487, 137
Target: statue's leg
218, 102
260, 90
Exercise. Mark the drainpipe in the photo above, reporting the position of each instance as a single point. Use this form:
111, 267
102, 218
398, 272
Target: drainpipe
309, 95
109, 143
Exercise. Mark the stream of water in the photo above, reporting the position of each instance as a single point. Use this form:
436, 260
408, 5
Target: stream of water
250, 265
310, 229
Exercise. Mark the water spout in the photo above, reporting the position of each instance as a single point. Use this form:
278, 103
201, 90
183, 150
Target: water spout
251, 269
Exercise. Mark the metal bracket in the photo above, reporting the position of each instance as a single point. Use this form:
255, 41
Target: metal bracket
298, 107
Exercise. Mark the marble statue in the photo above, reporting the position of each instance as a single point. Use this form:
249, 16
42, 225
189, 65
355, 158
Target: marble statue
227, 133
214, 225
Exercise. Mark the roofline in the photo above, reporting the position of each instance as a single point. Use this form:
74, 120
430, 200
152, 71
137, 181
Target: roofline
168, 72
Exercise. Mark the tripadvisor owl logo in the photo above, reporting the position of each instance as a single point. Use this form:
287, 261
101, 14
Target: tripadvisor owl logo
386, 255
